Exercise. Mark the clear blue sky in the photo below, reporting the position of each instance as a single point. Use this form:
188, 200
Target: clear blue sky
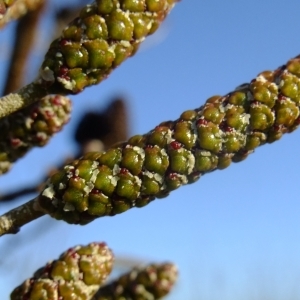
235, 234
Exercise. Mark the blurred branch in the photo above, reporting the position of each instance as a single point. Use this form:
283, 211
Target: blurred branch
25, 37
21, 192
109, 126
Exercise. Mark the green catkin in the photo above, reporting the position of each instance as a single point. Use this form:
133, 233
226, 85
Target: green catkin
76, 275
225, 129
31, 127
149, 283
100, 39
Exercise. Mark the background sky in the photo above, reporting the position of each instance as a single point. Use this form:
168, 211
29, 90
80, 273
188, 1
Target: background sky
235, 234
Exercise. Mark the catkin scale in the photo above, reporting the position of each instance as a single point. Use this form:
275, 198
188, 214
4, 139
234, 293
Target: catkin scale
225, 129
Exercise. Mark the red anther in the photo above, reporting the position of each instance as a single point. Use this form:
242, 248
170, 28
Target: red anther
70, 250
49, 114
56, 100
2, 9
63, 71
124, 171
40, 137
255, 102
64, 42
244, 152
47, 268
149, 146
95, 191
75, 177
278, 127
297, 121
173, 176
175, 145
201, 122
34, 113
282, 97
195, 175
15, 142
74, 255
228, 129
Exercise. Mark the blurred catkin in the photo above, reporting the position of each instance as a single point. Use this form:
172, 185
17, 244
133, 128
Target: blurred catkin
31, 127
149, 283
225, 129
77, 274
100, 39
13, 9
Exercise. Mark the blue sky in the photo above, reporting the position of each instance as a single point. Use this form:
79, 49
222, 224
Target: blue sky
235, 234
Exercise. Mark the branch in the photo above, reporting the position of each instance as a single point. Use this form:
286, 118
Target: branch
17, 217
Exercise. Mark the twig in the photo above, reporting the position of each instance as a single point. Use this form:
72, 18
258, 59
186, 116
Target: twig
11, 221
21, 192
24, 97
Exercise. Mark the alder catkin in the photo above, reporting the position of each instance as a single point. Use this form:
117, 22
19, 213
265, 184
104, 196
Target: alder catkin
77, 274
100, 39
225, 129
148, 283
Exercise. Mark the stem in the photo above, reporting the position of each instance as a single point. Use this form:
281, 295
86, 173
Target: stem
22, 98
11, 221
